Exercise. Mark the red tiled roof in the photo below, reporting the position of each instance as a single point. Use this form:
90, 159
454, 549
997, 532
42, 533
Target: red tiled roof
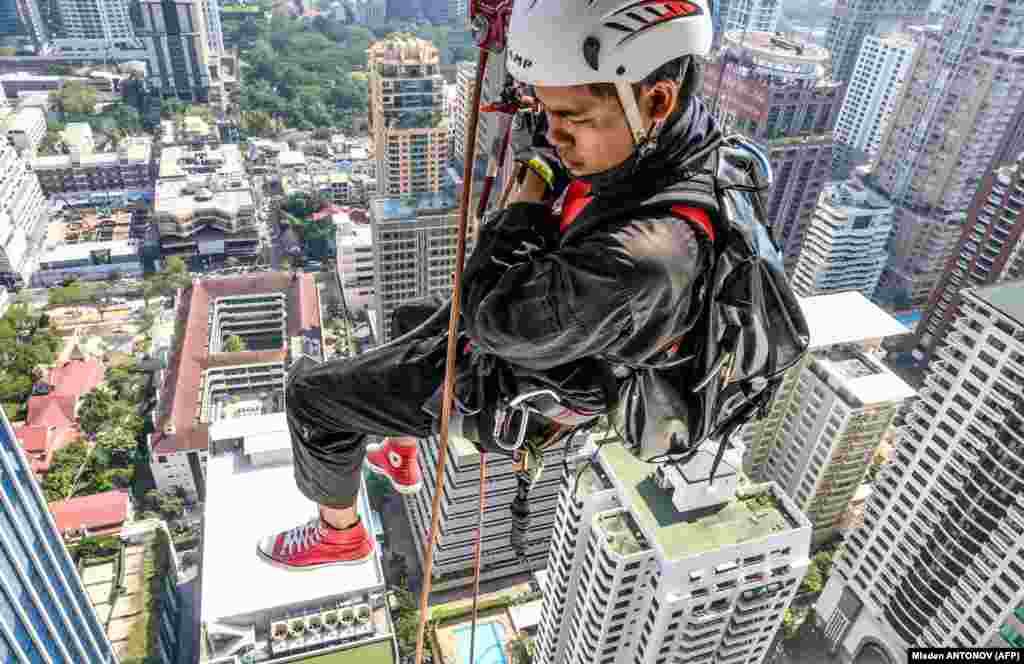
34, 438
99, 512
52, 410
41, 442
76, 377
185, 370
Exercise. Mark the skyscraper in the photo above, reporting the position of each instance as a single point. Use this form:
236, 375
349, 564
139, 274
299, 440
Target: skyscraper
871, 96
410, 132
650, 563
413, 251
176, 38
777, 92
453, 553
844, 247
853, 20
939, 560
750, 15
955, 118
831, 412
45, 614
23, 212
105, 20
991, 250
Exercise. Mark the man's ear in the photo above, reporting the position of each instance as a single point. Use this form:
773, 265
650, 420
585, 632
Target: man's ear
660, 100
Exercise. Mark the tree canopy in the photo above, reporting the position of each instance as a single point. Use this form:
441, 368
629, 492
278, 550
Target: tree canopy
26, 344
75, 97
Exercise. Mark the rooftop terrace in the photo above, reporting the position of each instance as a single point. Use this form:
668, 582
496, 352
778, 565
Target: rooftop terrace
680, 534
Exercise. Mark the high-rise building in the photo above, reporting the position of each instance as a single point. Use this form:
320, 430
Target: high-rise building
29, 19
10, 24
47, 615
180, 61
355, 264
835, 321
749, 15
844, 247
991, 250
853, 20
871, 96
777, 92
460, 504
105, 20
407, 122
829, 416
955, 118
23, 215
650, 563
414, 251
939, 560
214, 29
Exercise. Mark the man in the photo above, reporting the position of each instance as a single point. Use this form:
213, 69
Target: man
565, 284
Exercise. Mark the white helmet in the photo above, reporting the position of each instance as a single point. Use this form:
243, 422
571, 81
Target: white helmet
577, 42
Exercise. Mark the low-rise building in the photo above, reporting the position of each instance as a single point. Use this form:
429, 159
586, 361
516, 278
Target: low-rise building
99, 514
336, 187
83, 170
88, 261
204, 205
355, 262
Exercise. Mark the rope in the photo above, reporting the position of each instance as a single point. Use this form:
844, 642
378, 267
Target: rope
453, 329
478, 555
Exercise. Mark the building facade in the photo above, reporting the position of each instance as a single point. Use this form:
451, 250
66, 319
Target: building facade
130, 166
460, 503
853, 20
407, 121
872, 93
777, 92
954, 119
844, 247
746, 15
414, 242
940, 557
47, 615
635, 574
355, 264
89, 261
991, 250
23, 217
101, 20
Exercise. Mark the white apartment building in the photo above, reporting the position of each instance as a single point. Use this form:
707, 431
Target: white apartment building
650, 564
26, 129
355, 263
214, 29
844, 246
23, 216
413, 249
254, 611
939, 560
871, 97
101, 20
460, 504
830, 412
88, 261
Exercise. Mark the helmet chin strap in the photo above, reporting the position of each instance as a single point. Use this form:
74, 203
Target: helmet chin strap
628, 101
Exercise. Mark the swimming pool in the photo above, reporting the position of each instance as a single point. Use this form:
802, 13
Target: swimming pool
488, 649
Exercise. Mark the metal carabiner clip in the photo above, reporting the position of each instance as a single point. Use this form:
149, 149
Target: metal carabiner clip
521, 404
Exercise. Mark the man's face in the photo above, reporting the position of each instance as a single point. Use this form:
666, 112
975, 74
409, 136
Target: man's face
590, 132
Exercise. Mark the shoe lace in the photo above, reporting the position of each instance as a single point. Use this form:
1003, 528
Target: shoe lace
302, 537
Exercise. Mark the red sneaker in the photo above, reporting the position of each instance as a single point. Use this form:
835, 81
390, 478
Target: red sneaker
314, 544
397, 463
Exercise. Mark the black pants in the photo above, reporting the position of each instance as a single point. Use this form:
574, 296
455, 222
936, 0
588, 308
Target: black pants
333, 408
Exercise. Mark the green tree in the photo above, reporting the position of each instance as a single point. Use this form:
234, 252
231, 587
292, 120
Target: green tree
521, 649
823, 560
95, 409
813, 581
75, 98
234, 344
116, 446
285, 263
69, 463
791, 622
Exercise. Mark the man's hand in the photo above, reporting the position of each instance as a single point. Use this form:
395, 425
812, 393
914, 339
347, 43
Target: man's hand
531, 148
532, 190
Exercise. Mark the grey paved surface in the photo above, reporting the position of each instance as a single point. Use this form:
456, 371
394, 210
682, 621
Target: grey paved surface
188, 627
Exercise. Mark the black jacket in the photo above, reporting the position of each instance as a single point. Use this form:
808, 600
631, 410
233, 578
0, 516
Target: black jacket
616, 288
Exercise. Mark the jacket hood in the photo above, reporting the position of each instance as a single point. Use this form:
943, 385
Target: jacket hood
681, 135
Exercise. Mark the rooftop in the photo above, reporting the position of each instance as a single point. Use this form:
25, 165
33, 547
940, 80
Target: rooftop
380, 652
191, 358
99, 511
243, 504
406, 207
777, 48
864, 378
847, 318
680, 534
83, 250
1007, 297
